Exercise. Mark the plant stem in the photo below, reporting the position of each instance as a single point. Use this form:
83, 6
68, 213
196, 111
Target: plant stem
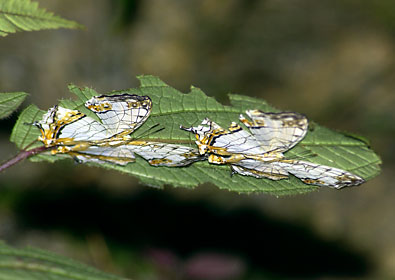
21, 156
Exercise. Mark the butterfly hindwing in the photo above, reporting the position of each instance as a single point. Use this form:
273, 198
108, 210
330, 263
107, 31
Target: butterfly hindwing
157, 154
118, 155
321, 175
259, 169
164, 154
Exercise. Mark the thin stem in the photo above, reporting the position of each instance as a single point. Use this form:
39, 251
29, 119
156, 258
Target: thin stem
21, 156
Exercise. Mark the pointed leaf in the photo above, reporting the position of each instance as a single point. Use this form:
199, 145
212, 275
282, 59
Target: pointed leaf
83, 94
9, 102
172, 108
25, 15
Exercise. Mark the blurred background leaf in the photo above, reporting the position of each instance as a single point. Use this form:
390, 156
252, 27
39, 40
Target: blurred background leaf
31, 263
25, 15
9, 102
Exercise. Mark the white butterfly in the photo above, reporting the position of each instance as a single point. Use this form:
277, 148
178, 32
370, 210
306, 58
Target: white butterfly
87, 140
156, 153
121, 114
260, 152
61, 126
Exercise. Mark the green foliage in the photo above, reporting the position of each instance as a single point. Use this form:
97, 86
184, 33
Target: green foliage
23, 134
31, 263
9, 101
172, 108
18, 15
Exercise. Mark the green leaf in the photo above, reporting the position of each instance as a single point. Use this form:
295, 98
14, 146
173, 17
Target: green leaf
24, 15
31, 263
9, 101
83, 94
172, 108
24, 134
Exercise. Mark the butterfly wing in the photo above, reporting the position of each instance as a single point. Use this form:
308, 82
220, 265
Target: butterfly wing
276, 131
157, 154
259, 169
211, 138
321, 175
61, 126
163, 154
263, 170
120, 155
309, 173
121, 114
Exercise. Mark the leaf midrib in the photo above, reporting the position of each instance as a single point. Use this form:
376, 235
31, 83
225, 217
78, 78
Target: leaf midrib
12, 98
50, 17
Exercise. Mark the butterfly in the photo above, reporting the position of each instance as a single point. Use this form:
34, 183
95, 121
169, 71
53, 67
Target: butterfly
87, 140
120, 115
259, 152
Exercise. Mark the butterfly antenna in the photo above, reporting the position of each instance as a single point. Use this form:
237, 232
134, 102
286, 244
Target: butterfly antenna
303, 155
150, 131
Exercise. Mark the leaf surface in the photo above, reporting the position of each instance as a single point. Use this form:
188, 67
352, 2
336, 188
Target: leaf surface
31, 263
172, 108
25, 15
24, 134
9, 102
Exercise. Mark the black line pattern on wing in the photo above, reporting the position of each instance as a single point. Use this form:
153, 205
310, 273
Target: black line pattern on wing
260, 154
88, 140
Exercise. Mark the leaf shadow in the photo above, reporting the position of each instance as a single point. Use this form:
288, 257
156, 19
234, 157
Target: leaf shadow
157, 219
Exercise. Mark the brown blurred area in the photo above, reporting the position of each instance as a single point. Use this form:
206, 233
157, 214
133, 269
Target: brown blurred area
333, 61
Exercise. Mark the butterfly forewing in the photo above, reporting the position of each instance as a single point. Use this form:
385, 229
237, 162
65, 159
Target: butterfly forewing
213, 138
276, 131
121, 113
83, 129
61, 126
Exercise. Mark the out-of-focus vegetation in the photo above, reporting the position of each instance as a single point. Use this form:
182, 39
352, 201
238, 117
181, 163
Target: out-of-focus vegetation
9, 102
25, 15
331, 60
35, 264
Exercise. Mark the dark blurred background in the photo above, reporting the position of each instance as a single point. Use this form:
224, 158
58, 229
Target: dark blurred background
332, 60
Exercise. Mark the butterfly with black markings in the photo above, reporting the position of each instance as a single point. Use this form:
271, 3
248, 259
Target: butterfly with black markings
259, 153
87, 140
